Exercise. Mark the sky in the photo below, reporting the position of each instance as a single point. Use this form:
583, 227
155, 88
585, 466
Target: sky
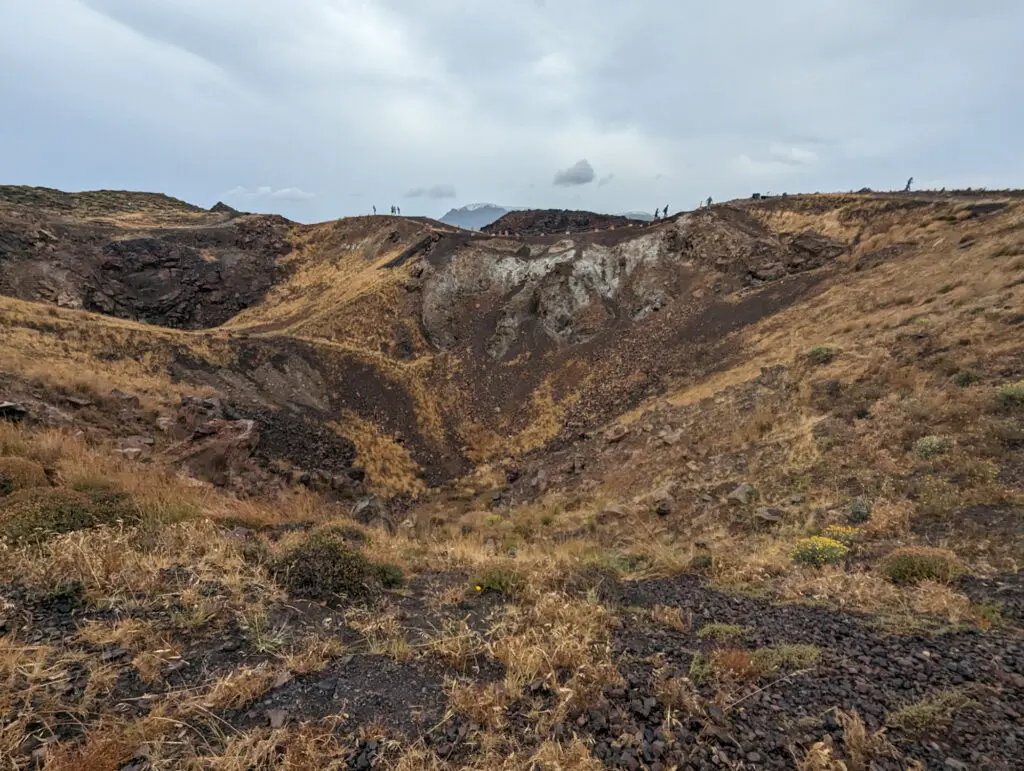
317, 109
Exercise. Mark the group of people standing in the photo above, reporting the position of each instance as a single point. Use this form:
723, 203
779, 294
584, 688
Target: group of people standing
395, 210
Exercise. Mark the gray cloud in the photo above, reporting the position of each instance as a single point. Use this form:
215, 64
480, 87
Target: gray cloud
605, 180
580, 173
267, 192
434, 191
495, 96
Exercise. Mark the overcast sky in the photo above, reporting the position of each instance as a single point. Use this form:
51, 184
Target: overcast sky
322, 108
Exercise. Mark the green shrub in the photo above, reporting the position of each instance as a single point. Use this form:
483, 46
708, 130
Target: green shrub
390, 575
700, 668
821, 354
502, 580
860, 512
702, 563
324, 567
844, 534
930, 713
783, 656
1011, 395
716, 631
912, 565
966, 379
818, 551
19, 474
255, 551
33, 514
930, 446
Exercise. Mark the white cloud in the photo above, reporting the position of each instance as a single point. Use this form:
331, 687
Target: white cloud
434, 191
266, 192
346, 95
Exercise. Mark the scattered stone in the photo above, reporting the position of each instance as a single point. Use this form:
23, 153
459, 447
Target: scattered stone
671, 438
126, 400
277, 717
743, 495
771, 516
616, 433
664, 507
372, 512
13, 411
77, 401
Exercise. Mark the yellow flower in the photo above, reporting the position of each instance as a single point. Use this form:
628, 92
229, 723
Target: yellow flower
479, 588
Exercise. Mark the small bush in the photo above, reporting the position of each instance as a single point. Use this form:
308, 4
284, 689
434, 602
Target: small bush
930, 446
589, 578
784, 656
860, 512
33, 514
821, 354
390, 575
702, 563
966, 379
324, 567
1011, 395
844, 534
818, 551
700, 668
915, 564
501, 580
929, 714
19, 474
716, 631
255, 551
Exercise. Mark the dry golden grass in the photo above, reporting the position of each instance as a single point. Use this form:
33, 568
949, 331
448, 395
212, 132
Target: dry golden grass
388, 464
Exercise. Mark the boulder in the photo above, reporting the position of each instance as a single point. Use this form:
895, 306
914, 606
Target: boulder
616, 433
13, 411
743, 495
372, 512
218, 454
769, 516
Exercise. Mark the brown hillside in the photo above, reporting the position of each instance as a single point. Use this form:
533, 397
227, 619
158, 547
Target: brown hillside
740, 489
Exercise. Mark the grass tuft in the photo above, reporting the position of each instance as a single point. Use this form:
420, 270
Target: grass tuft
913, 565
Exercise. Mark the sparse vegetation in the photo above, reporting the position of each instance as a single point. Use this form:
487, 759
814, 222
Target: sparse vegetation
915, 564
928, 447
502, 580
324, 567
548, 590
966, 379
930, 713
860, 512
33, 514
721, 632
818, 551
821, 354
1011, 395
20, 473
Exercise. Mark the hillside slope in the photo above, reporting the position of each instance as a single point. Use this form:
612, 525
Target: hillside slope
739, 489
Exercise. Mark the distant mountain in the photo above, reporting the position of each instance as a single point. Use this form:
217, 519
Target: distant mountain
646, 216
476, 215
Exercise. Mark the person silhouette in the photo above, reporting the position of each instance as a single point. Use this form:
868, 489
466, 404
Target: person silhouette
399, 210
666, 211
374, 209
